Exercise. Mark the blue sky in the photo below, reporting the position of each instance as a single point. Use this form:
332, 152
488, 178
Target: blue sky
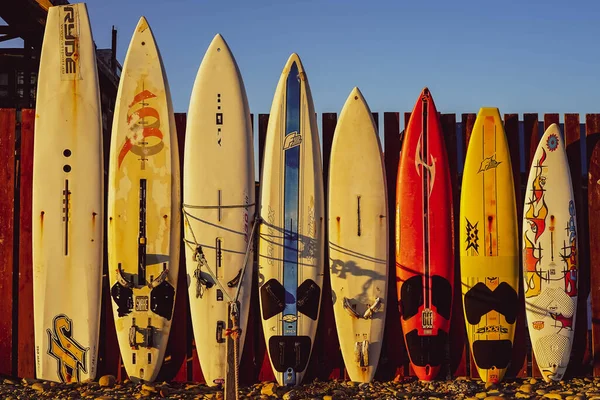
520, 56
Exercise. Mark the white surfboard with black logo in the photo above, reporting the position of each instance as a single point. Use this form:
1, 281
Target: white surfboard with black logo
67, 200
218, 197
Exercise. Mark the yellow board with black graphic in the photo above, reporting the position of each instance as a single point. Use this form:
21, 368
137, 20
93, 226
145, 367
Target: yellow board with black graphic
489, 251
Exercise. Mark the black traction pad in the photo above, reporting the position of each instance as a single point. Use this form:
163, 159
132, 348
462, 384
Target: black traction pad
123, 298
272, 295
289, 352
426, 350
161, 300
480, 300
492, 353
411, 297
309, 296
441, 295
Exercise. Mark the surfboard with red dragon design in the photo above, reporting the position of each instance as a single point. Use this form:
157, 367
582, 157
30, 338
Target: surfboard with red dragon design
424, 244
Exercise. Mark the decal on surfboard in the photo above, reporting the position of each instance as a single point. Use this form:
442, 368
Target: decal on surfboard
70, 355
144, 123
489, 163
472, 237
291, 140
69, 29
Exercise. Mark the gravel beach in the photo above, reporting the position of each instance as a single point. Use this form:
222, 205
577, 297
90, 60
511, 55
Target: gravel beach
106, 388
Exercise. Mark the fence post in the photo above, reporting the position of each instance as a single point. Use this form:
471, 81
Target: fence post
518, 364
26, 340
592, 130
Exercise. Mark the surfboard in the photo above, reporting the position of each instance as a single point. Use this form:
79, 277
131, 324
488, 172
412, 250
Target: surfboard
218, 197
291, 233
489, 253
424, 240
143, 209
67, 200
358, 233
550, 260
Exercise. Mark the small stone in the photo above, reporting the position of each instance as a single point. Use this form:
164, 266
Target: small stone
532, 381
269, 389
520, 395
327, 397
149, 387
490, 385
481, 395
28, 381
291, 395
525, 388
104, 398
39, 386
107, 381
553, 396
10, 382
541, 392
494, 398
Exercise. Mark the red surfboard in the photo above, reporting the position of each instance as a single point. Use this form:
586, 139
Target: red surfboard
424, 240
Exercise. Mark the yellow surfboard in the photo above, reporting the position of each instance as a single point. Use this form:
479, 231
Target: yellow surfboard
489, 247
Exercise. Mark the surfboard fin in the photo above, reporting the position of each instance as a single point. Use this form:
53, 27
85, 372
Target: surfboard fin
121, 279
365, 353
289, 352
373, 309
160, 278
122, 294
148, 334
348, 307
235, 281
361, 353
162, 298
272, 294
309, 295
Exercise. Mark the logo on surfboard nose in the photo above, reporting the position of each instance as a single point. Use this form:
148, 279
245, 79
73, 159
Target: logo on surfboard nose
291, 140
69, 41
70, 355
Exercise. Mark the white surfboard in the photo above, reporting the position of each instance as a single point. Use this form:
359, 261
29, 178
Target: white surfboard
67, 200
143, 209
218, 197
550, 265
291, 232
358, 233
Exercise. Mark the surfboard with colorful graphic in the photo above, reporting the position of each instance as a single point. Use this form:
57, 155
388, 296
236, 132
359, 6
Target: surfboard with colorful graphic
68, 200
550, 257
218, 196
358, 233
424, 240
291, 233
143, 209
489, 252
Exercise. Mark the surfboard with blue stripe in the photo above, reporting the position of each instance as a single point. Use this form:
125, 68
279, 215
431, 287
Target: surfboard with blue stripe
291, 233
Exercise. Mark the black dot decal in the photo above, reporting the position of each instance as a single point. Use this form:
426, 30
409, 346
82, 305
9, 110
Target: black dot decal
67, 153
67, 168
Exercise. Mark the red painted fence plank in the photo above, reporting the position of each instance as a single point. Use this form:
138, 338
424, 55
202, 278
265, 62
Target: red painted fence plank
26, 341
7, 209
518, 365
592, 130
393, 360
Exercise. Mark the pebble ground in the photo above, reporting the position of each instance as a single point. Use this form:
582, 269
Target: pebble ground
106, 388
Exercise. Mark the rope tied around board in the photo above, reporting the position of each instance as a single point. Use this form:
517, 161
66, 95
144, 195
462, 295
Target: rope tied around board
202, 283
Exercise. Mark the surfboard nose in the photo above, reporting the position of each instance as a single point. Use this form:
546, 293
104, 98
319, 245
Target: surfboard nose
142, 24
294, 58
219, 44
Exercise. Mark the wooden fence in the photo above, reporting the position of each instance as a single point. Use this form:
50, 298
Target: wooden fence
181, 362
